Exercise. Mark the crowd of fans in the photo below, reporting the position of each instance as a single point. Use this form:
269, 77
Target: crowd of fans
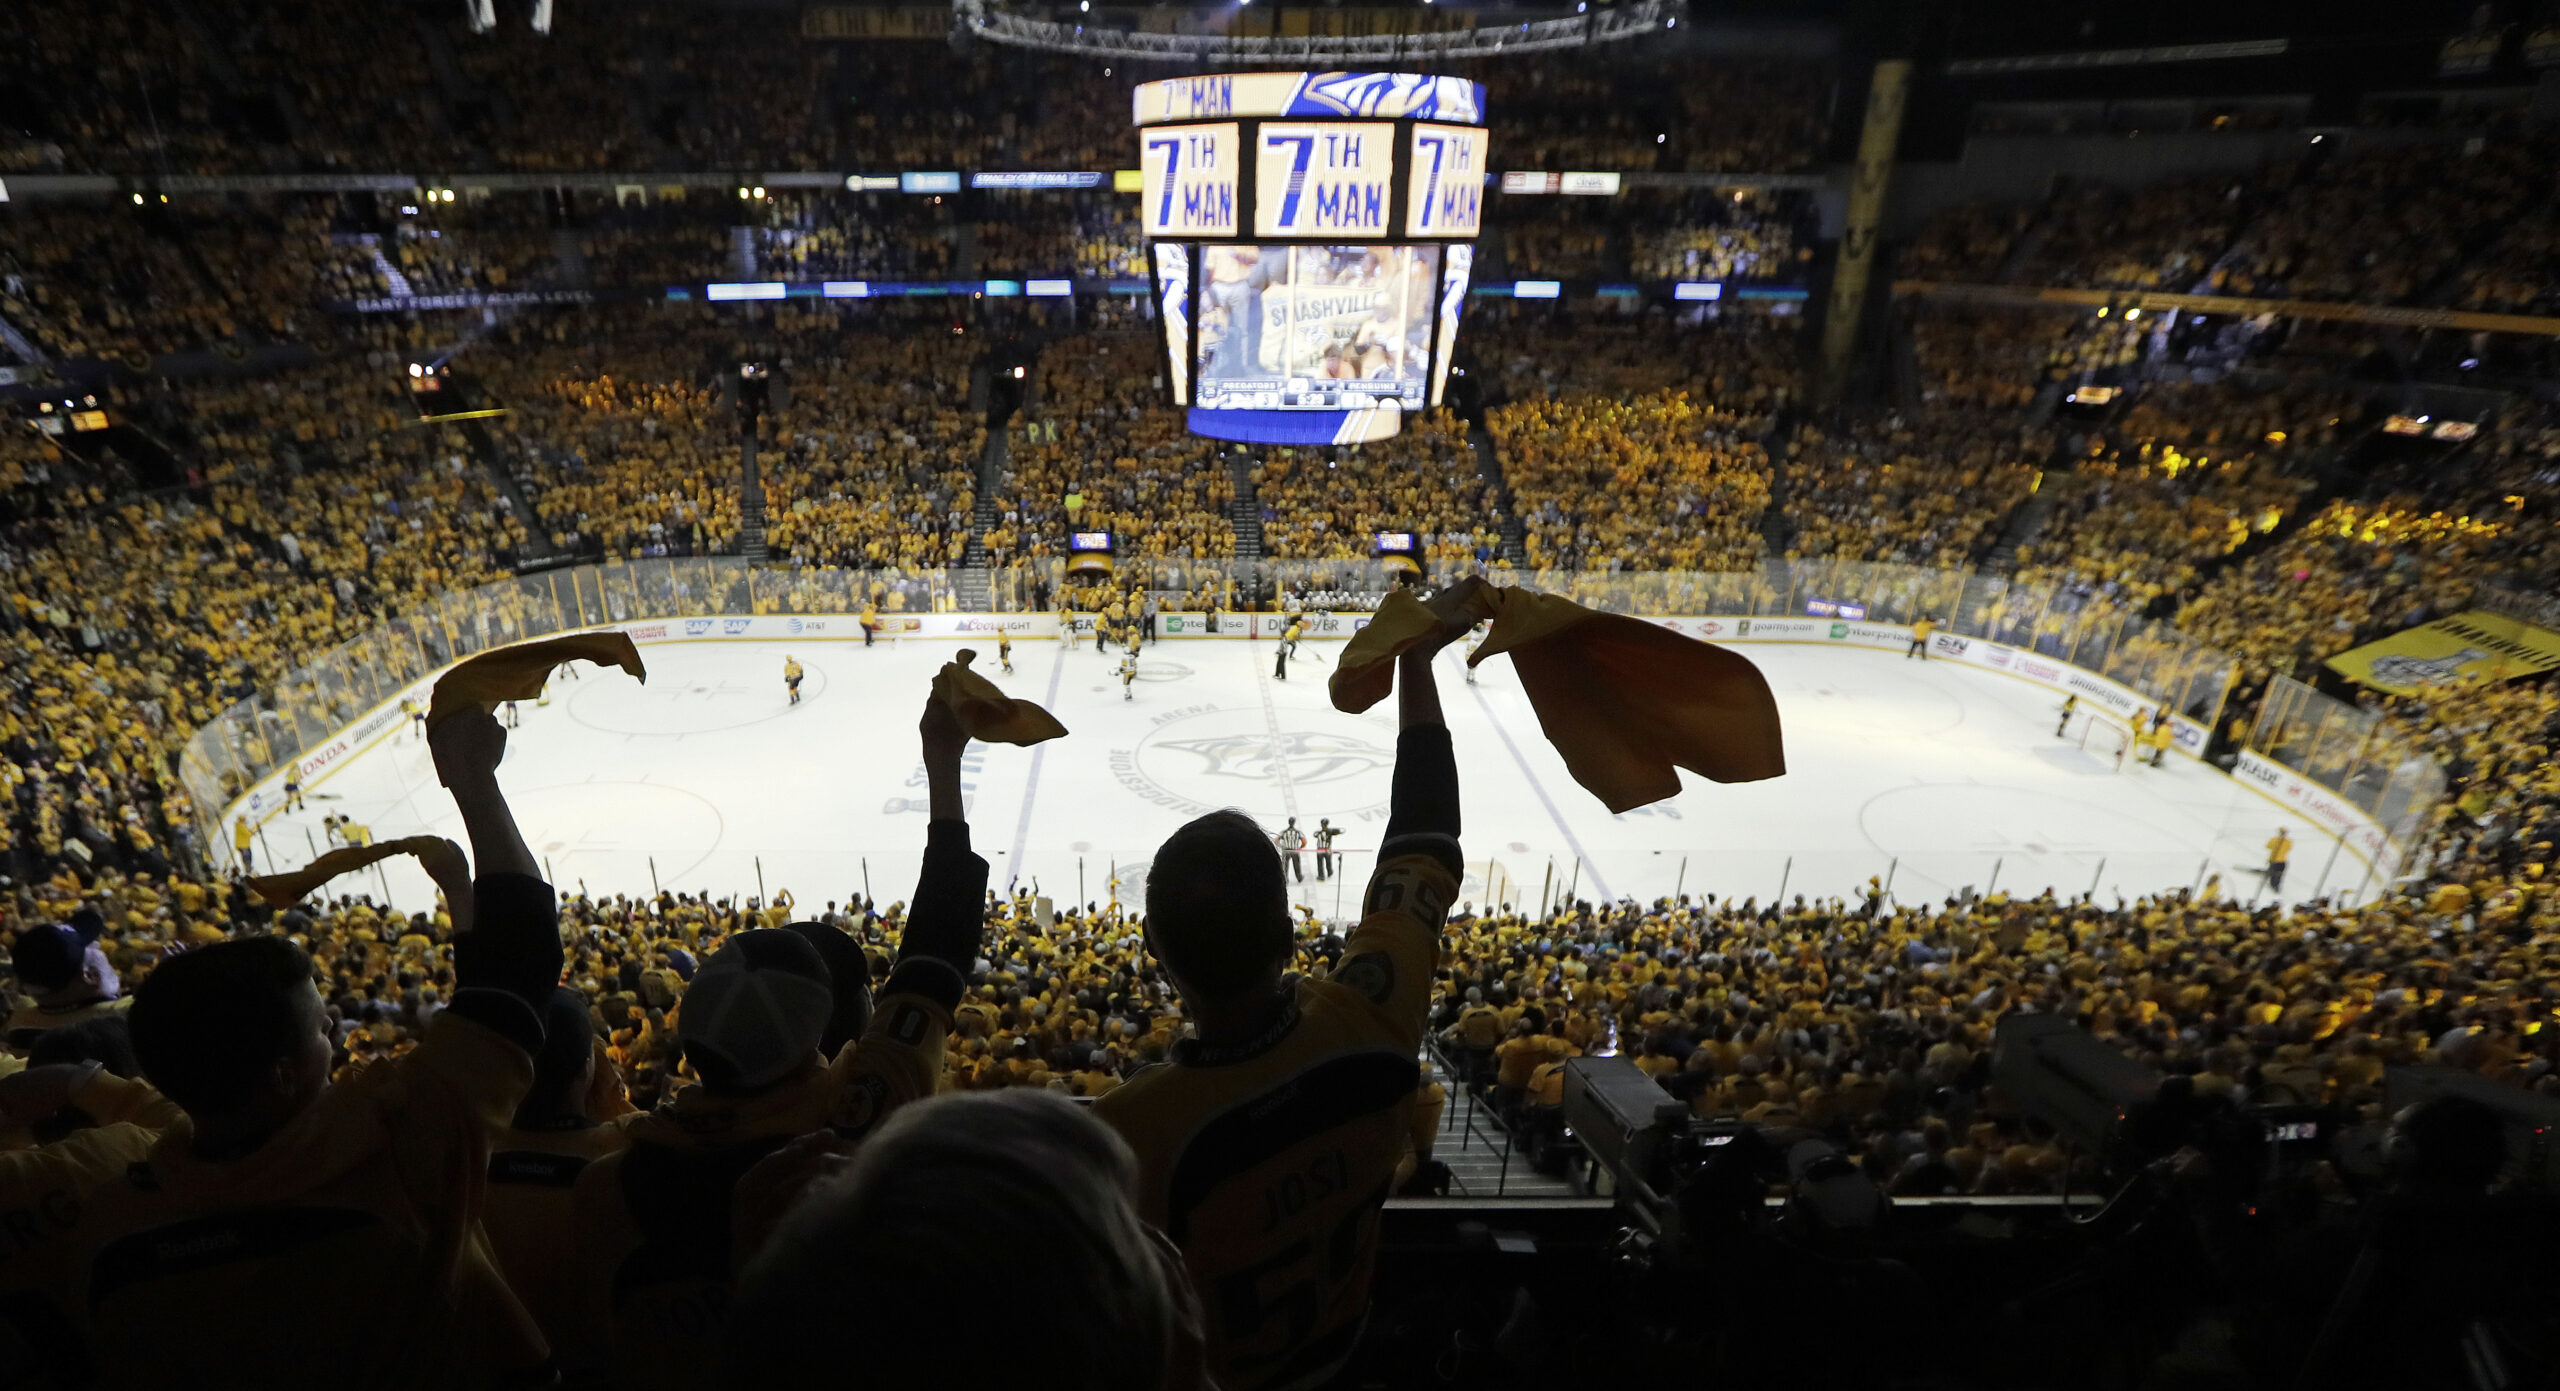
1093, 453
2184, 476
1087, 235
1865, 1022
618, 437
130, 90
1330, 504
1653, 482
1934, 490
1716, 236
2366, 218
311, 506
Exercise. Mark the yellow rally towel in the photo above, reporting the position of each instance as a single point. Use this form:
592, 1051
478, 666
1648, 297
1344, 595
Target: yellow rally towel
1625, 702
284, 890
518, 672
987, 713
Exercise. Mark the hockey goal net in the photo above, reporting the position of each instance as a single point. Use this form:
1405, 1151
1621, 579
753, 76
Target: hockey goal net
2101, 736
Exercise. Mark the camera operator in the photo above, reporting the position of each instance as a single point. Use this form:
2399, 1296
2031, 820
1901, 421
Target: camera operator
2444, 1280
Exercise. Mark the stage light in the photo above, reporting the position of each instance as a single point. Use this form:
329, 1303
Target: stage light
137, 200
1661, 138
416, 371
2132, 314
742, 193
164, 198
759, 190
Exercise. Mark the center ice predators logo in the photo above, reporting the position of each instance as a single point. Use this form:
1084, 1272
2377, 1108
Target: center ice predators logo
1203, 757
1308, 758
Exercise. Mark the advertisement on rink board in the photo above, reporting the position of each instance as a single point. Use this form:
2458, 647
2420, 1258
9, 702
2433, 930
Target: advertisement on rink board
2322, 808
2119, 701
268, 795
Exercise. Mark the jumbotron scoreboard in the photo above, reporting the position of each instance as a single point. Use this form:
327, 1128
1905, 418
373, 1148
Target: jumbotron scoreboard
1312, 235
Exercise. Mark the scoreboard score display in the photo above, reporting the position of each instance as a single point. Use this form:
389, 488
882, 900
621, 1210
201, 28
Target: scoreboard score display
1312, 235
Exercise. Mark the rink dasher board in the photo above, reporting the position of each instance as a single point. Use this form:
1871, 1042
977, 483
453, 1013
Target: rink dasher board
2356, 831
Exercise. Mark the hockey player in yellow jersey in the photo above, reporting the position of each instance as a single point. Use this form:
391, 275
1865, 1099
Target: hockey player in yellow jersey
1269, 1142
1004, 652
791, 677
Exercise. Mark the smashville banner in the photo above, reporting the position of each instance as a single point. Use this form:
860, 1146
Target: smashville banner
2474, 644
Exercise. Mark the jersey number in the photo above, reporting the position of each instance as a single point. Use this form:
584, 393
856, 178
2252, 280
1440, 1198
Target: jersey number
1246, 1308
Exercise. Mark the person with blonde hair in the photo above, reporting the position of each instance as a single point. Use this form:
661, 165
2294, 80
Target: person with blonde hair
1020, 1180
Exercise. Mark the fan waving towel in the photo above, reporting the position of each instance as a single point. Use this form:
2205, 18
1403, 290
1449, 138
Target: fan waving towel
1625, 702
285, 890
989, 714
518, 672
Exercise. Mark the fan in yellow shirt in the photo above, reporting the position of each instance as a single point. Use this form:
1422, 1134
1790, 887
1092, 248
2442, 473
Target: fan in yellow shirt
1269, 1145
276, 1180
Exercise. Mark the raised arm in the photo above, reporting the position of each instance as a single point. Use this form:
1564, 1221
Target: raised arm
898, 1059
1422, 815
505, 967
948, 912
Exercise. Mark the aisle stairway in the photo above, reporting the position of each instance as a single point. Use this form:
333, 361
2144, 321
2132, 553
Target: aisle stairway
538, 552
569, 258
1245, 513
973, 590
394, 283
2027, 523
1479, 1152
1489, 463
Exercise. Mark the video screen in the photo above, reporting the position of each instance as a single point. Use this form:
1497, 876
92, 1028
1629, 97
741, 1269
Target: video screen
1316, 327
1173, 291
1089, 541
1395, 543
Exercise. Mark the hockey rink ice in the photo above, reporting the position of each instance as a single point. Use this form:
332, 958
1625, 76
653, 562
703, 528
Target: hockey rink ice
1934, 776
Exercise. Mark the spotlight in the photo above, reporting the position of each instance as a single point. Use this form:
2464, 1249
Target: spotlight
742, 193
416, 371
1661, 138
2132, 314
759, 190
137, 200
